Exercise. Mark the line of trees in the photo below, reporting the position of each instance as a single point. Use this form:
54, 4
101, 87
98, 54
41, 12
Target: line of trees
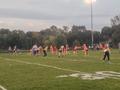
77, 35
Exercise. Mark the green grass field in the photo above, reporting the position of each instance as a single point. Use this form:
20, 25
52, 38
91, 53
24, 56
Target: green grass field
26, 72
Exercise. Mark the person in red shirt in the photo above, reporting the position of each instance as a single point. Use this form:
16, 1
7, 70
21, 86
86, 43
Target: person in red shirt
75, 50
85, 49
54, 50
51, 49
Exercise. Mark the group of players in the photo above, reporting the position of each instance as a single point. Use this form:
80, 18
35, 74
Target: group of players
14, 50
63, 50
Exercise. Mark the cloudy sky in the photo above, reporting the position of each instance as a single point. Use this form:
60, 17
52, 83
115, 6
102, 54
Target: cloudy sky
39, 14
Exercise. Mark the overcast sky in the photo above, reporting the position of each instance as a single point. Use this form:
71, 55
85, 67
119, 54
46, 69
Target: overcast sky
39, 14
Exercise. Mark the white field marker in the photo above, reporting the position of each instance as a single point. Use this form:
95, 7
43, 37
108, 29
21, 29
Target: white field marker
43, 65
1, 87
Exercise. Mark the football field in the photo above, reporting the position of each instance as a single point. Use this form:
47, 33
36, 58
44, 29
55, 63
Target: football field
72, 72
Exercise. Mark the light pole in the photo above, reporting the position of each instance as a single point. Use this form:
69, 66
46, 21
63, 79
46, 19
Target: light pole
92, 34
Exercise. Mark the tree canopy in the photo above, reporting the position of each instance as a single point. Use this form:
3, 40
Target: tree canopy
60, 36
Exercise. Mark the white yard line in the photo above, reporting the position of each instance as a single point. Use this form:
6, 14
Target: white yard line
1, 87
83, 75
43, 65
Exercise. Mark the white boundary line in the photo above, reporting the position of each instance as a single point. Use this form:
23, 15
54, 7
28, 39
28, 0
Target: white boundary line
43, 65
1, 87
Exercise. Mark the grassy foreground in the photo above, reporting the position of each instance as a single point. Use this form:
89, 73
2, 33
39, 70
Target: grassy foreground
26, 72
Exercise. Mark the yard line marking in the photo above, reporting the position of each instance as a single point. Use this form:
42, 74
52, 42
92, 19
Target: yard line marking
1, 87
83, 75
43, 65
94, 76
